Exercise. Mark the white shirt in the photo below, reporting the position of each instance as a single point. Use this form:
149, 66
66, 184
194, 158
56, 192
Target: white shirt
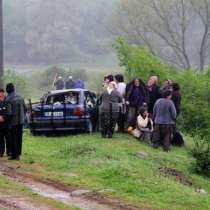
121, 88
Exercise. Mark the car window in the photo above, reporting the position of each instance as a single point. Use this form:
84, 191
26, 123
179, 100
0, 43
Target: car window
68, 98
90, 99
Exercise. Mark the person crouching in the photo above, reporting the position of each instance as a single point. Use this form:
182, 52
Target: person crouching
144, 125
109, 109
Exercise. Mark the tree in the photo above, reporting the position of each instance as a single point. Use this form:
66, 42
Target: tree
1, 45
58, 31
173, 30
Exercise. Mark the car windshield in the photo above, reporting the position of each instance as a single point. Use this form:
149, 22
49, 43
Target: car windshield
68, 98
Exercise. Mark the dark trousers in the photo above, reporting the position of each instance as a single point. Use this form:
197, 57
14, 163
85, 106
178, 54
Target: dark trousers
132, 116
121, 122
108, 123
16, 140
162, 136
4, 139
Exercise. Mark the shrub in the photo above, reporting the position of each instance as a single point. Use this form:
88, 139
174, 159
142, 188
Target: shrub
201, 153
195, 87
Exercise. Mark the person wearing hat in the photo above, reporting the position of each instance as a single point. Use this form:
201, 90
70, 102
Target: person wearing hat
70, 84
18, 112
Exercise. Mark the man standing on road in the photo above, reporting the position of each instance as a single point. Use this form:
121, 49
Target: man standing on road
16, 122
5, 114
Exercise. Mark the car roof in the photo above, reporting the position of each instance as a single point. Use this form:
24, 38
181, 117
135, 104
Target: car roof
53, 92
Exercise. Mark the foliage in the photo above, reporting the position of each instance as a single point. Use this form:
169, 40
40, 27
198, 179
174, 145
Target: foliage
195, 87
18, 80
201, 153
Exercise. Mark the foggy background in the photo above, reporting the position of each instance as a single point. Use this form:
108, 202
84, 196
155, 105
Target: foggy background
42, 33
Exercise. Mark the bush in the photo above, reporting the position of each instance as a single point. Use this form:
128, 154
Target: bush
195, 87
201, 153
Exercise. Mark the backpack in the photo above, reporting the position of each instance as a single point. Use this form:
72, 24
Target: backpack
178, 139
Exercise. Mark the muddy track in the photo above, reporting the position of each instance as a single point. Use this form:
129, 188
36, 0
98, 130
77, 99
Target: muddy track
20, 203
80, 198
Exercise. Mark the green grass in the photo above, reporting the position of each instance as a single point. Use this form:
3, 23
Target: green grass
91, 162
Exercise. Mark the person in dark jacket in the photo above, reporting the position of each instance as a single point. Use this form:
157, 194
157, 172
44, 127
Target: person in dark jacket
136, 96
164, 115
5, 114
154, 93
176, 97
109, 110
79, 84
17, 120
59, 84
70, 84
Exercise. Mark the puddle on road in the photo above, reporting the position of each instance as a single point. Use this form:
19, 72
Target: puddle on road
66, 197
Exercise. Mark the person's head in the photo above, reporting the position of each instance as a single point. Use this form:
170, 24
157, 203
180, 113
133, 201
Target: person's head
175, 86
119, 78
2, 95
143, 111
70, 77
10, 88
109, 78
168, 82
167, 94
112, 85
153, 80
59, 77
136, 82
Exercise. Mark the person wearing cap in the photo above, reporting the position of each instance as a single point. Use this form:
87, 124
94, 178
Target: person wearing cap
70, 84
59, 84
18, 112
109, 107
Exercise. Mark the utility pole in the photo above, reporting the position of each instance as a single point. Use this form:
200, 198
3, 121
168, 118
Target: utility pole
1, 45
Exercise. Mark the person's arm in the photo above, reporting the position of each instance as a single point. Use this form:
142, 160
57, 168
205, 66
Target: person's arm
99, 101
173, 111
154, 111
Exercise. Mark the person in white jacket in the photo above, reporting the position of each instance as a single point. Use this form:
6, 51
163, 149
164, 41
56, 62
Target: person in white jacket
144, 125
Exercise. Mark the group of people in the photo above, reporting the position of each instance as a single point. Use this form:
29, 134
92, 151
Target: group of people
12, 117
146, 111
70, 83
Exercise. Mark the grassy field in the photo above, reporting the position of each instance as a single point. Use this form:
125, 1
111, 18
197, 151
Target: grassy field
91, 162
